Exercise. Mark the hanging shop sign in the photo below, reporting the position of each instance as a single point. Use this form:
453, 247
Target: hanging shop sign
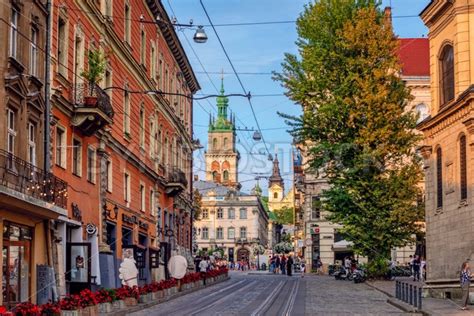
154, 257
91, 229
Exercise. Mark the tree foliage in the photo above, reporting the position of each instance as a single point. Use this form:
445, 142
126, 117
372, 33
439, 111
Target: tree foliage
285, 215
354, 122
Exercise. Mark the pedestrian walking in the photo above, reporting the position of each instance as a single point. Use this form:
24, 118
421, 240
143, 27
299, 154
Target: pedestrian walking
277, 264
319, 265
203, 266
423, 269
465, 278
416, 268
289, 265
302, 267
283, 265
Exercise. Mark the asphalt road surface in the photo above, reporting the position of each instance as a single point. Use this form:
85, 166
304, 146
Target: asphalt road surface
278, 295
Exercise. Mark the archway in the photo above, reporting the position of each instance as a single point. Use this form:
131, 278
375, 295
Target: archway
243, 254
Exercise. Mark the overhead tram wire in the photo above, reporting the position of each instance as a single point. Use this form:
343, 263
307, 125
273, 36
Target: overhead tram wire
248, 149
238, 78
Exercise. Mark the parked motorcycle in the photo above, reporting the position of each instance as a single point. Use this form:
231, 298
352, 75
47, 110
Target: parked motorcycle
359, 276
343, 274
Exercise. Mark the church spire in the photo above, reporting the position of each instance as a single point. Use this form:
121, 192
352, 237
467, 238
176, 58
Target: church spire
275, 177
222, 122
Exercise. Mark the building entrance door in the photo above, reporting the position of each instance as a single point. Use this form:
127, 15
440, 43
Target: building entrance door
16, 272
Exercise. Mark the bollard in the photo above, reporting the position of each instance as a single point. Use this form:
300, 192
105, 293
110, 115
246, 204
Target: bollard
411, 294
406, 292
415, 297
419, 298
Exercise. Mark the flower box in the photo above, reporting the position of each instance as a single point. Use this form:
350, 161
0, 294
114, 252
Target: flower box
106, 308
130, 301
89, 311
74, 312
118, 305
144, 298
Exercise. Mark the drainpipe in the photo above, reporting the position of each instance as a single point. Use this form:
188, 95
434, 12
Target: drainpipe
47, 87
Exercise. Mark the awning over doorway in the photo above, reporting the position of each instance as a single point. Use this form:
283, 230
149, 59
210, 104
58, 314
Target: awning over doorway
342, 245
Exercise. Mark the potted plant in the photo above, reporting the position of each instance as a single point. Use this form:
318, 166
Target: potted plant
104, 299
69, 305
97, 63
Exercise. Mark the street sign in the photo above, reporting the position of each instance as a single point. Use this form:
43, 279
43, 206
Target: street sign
308, 242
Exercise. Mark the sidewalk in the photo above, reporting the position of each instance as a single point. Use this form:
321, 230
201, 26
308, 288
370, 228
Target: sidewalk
430, 306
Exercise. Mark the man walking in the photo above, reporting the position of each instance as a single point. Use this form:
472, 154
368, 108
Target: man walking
289, 265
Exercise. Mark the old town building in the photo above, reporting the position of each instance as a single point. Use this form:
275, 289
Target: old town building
230, 219
316, 235
448, 143
122, 143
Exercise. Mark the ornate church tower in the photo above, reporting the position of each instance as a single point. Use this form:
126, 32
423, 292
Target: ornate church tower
275, 185
221, 156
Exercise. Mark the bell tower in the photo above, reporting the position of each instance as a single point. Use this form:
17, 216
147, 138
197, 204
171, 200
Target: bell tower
221, 156
275, 185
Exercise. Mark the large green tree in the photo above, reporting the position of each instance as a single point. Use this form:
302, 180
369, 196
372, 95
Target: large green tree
285, 215
355, 122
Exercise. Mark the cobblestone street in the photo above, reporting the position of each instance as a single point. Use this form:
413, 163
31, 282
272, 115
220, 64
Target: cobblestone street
279, 295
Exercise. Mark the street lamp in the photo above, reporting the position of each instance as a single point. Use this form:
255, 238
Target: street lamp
200, 36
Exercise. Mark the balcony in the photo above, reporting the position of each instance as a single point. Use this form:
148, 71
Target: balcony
22, 177
176, 181
92, 108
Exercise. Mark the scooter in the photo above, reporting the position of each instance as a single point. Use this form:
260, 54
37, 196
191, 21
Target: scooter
343, 274
359, 275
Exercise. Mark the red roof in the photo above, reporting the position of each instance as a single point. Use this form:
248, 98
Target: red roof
414, 56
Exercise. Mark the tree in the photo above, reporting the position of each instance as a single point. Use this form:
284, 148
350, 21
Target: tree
355, 124
285, 215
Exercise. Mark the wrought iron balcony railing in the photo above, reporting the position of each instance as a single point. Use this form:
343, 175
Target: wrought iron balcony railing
84, 90
23, 177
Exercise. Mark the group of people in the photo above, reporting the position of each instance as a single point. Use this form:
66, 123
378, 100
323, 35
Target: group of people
418, 268
241, 265
281, 264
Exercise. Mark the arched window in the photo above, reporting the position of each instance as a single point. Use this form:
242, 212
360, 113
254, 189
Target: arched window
439, 178
226, 175
447, 74
215, 175
225, 142
275, 195
422, 111
463, 166
214, 143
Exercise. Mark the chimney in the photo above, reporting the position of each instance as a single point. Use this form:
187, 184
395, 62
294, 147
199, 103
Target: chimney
388, 14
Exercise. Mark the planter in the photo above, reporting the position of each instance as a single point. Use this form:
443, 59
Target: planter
130, 301
89, 311
201, 283
74, 312
160, 293
90, 101
145, 298
118, 305
106, 308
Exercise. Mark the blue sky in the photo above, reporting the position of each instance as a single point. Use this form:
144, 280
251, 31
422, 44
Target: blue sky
256, 49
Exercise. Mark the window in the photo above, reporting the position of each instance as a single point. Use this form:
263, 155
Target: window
205, 213
126, 187
143, 47
32, 144
243, 232
91, 164
220, 213
126, 113
220, 233
205, 233
226, 175
108, 82
160, 72
142, 197
108, 8
439, 178
142, 127
108, 166
34, 52
153, 62
243, 213
60, 147
214, 143
165, 152
11, 134
230, 233
447, 74
275, 195
231, 213
463, 166
152, 139
225, 142
152, 202
127, 25
76, 157
315, 207
62, 47
14, 33
215, 176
